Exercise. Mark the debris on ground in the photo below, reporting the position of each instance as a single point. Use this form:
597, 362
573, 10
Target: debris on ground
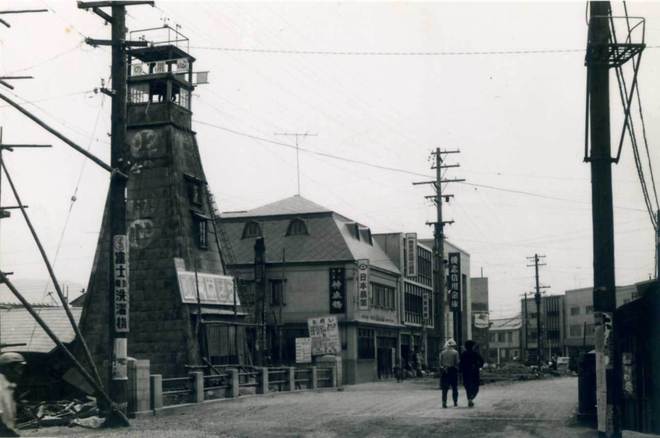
56, 413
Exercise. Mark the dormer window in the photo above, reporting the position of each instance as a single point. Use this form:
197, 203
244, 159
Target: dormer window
297, 227
251, 229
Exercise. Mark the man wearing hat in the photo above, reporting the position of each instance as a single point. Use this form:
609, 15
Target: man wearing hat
11, 369
449, 372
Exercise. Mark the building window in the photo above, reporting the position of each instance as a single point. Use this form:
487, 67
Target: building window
200, 225
509, 336
492, 337
501, 337
252, 229
277, 293
366, 344
383, 296
138, 93
575, 330
589, 310
195, 190
297, 227
575, 310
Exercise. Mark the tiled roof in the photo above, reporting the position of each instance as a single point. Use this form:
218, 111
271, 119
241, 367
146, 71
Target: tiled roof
289, 206
17, 326
512, 323
329, 237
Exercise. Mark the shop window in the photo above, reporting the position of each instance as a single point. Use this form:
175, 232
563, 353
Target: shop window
251, 229
297, 227
277, 293
366, 344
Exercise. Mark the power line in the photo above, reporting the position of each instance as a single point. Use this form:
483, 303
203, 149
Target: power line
391, 168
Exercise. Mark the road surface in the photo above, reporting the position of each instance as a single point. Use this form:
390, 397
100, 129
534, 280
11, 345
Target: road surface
543, 408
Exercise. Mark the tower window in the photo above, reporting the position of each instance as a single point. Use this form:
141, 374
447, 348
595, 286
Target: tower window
195, 189
138, 93
201, 230
297, 227
252, 229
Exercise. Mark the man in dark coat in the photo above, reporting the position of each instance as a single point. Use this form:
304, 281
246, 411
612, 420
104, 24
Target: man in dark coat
470, 363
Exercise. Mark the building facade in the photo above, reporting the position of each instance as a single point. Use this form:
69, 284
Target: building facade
552, 327
505, 336
415, 262
313, 258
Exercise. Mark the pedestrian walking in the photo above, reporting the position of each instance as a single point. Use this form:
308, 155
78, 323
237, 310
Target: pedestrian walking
449, 372
470, 363
11, 369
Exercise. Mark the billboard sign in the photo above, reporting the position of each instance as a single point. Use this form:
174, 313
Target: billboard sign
454, 284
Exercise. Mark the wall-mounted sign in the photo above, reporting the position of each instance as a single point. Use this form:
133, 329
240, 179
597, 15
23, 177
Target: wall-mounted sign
481, 320
411, 254
454, 284
303, 350
426, 306
324, 332
363, 284
213, 288
120, 263
337, 290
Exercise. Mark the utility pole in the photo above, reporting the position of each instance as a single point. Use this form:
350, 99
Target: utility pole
537, 299
297, 135
439, 239
524, 355
657, 245
118, 281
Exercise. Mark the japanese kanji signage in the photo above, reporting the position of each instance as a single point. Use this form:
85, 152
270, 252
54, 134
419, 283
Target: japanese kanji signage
426, 306
324, 333
363, 284
337, 290
411, 254
454, 284
303, 350
120, 263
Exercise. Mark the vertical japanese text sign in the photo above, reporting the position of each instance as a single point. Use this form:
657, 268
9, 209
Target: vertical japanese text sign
454, 281
411, 254
363, 284
337, 290
120, 259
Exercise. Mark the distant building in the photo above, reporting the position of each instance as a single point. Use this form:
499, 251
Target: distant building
307, 245
480, 309
579, 311
505, 340
552, 327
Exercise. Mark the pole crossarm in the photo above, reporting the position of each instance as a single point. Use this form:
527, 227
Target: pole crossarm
61, 136
22, 11
103, 4
96, 42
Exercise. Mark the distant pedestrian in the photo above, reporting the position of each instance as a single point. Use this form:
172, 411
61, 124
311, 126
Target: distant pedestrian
11, 369
470, 363
449, 372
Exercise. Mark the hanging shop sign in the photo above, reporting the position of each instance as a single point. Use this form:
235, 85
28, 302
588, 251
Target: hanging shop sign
411, 254
211, 288
120, 263
454, 284
337, 290
324, 333
303, 350
363, 284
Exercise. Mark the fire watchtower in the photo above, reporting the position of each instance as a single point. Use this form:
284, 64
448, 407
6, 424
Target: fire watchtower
182, 303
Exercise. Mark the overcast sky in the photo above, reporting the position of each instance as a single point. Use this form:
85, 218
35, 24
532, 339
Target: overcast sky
518, 120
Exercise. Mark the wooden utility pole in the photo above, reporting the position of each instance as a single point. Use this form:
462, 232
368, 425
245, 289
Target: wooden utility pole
600, 159
118, 280
537, 300
439, 239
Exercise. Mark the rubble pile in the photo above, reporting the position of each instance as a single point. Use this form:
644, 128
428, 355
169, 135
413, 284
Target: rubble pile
58, 413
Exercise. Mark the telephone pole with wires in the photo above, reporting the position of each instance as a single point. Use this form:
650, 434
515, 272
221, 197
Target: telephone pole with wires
297, 135
118, 296
537, 300
439, 245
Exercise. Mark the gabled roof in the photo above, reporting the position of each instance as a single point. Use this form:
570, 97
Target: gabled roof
512, 323
329, 239
18, 327
289, 206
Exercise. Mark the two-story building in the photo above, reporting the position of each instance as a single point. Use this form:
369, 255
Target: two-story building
313, 258
504, 343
